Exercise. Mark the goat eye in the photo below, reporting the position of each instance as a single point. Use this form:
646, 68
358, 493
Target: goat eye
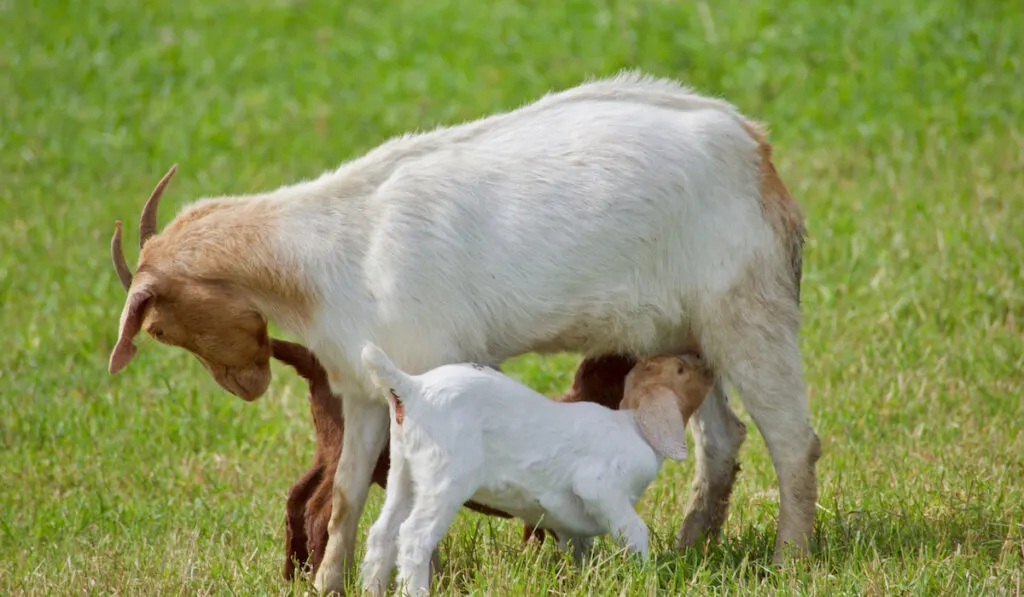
157, 333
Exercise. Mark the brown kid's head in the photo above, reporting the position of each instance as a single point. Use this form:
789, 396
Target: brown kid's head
665, 391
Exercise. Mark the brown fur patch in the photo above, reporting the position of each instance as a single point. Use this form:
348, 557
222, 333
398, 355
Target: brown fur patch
600, 380
688, 376
211, 271
228, 240
781, 210
216, 322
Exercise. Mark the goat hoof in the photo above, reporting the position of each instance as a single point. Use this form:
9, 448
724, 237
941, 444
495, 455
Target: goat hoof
329, 582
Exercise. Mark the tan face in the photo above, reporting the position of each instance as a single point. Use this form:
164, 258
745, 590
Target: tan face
227, 336
209, 319
687, 376
665, 391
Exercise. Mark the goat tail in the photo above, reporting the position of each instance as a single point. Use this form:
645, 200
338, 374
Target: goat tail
385, 374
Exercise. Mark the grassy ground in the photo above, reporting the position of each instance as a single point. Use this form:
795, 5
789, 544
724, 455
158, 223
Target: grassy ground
900, 129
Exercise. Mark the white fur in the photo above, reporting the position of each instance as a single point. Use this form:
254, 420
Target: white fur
471, 432
622, 215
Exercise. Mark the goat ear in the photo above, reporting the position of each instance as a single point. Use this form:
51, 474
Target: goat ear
661, 423
131, 323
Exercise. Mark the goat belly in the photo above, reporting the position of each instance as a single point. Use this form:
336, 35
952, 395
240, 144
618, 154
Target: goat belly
559, 511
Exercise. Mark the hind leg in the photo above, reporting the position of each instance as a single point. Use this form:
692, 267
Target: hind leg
420, 534
613, 510
382, 539
752, 335
718, 434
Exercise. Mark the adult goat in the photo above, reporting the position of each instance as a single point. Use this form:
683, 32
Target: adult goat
628, 215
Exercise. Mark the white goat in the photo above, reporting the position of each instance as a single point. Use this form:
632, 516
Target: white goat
627, 215
463, 431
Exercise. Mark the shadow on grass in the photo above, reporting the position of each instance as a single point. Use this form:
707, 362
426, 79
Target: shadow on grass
845, 542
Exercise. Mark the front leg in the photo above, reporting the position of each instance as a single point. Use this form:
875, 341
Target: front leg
366, 427
419, 536
717, 434
614, 511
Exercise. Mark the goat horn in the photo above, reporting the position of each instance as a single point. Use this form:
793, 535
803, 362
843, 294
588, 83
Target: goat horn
147, 224
124, 273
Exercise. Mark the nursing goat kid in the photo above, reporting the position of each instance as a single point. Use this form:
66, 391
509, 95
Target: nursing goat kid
623, 216
308, 507
463, 431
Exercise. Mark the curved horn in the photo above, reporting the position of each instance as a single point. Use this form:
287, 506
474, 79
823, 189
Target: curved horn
147, 224
124, 273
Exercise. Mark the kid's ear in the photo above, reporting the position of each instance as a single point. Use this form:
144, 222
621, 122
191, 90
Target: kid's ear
661, 423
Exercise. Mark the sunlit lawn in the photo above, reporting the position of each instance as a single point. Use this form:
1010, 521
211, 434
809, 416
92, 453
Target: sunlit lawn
899, 128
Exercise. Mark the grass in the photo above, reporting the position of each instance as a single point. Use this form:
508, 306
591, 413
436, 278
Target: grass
899, 127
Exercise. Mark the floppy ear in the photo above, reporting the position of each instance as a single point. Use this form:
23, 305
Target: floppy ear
661, 423
131, 322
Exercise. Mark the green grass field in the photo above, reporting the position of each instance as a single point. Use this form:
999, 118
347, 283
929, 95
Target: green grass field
900, 130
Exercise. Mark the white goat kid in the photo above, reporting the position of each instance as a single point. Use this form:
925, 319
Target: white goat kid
627, 215
464, 431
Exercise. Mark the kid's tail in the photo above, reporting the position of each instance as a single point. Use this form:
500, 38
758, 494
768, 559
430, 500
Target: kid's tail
386, 375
